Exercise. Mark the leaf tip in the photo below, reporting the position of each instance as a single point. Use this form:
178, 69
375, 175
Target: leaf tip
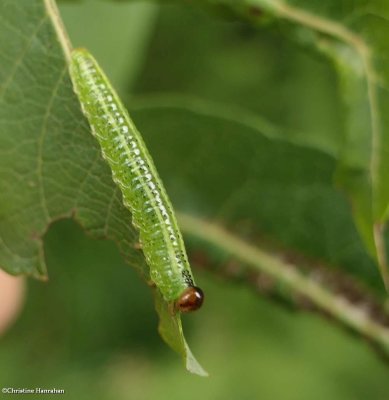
192, 365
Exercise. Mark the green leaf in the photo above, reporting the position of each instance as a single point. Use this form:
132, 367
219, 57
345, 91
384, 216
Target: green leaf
237, 179
354, 36
238, 170
170, 328
227, 171
51, 166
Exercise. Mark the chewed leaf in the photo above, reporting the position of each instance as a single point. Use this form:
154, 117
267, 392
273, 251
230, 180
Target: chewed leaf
51, 166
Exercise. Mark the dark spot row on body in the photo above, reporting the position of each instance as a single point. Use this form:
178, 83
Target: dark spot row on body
187, 277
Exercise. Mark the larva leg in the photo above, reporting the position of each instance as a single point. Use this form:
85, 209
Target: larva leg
151, 283
138, 246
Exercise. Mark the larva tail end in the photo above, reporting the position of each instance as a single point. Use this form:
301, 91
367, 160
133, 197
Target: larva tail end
80, 54
190, 300
80, 50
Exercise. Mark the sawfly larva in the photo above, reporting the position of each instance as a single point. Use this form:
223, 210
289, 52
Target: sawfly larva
134, 172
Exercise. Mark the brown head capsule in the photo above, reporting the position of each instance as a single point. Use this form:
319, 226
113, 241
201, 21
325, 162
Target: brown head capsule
191, 299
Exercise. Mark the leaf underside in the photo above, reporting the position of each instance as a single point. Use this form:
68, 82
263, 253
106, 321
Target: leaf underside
51, 165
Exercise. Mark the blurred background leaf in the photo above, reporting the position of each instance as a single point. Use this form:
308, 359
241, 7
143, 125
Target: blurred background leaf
353, 36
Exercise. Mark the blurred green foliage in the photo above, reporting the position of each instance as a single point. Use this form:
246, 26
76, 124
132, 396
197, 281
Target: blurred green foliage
92, 329
227, 60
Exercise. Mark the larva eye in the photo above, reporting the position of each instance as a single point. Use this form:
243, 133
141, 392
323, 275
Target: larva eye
190, 300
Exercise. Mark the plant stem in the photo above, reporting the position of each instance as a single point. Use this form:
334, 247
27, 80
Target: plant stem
351, 315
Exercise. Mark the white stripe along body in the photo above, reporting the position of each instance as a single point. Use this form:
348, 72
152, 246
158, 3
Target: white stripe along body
134, 172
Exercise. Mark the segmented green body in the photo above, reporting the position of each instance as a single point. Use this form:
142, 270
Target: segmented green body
134, 172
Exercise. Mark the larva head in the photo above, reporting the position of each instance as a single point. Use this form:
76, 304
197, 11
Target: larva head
191, 299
